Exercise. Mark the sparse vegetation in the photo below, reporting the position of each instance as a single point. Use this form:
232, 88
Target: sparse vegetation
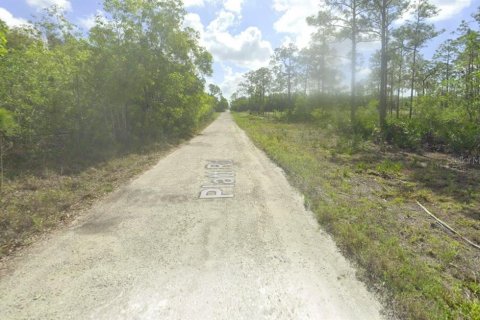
364, 195
35, 202
407, 133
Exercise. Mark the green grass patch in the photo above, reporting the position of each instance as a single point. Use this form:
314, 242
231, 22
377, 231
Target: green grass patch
389, 167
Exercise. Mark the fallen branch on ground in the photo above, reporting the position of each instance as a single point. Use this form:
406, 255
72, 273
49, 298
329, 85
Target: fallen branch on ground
448, 227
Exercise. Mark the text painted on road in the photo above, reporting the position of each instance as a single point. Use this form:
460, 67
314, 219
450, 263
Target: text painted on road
221, 180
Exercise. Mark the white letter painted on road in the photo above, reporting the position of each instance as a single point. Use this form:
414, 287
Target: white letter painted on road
221, 180
213, 193
224, 181
218, 166
220, 174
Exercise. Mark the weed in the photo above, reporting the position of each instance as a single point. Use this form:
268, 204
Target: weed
389, 167
361, 167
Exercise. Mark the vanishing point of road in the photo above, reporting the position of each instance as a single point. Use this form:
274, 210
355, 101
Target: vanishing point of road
213, 231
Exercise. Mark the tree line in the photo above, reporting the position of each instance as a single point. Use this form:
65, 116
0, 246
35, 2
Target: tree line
136, 78
408, 99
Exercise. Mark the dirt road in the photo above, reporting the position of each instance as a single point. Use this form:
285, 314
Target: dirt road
213, 231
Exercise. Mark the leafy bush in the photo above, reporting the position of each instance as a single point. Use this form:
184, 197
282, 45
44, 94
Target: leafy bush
463, 137
404, 134
367, 119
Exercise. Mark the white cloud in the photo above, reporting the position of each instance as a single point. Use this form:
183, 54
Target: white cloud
233, 5
192, 20
222, 22
10, 20
246, 49
228, 5
293, 14
369, 46
41, 4
449, 8
230, 82
90, 21
293, 19
87, 22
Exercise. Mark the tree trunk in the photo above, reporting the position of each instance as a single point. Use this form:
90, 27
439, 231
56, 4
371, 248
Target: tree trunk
289, 87
383, 70
448, 72
399, 83
412, 84
306, 81
391, 91
353, 101
1, 162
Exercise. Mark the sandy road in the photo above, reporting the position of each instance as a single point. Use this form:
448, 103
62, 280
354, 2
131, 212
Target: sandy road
155, 250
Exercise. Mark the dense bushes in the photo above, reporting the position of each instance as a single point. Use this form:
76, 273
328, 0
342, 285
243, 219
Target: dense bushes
137, 78
434, 126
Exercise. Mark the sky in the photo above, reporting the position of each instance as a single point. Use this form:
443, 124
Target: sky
242, 34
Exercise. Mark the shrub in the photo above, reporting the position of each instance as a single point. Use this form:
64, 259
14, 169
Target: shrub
403, 133
367, 119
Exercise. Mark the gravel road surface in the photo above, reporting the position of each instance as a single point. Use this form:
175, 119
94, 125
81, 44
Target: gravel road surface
213, 231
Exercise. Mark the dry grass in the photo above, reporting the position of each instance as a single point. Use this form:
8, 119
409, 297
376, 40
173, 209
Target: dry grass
33, 204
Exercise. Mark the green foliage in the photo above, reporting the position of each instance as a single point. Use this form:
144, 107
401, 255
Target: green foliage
302, 109
435, 127
367, 123
138, 78
3, 38
7, 129
7, 123
240, 104
221, 105
403, 133
218, 100
389, 167
312, 123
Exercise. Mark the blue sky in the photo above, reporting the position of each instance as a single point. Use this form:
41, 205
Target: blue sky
242, 34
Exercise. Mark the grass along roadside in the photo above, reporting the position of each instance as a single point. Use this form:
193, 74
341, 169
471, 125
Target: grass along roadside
33, 204
365, 198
